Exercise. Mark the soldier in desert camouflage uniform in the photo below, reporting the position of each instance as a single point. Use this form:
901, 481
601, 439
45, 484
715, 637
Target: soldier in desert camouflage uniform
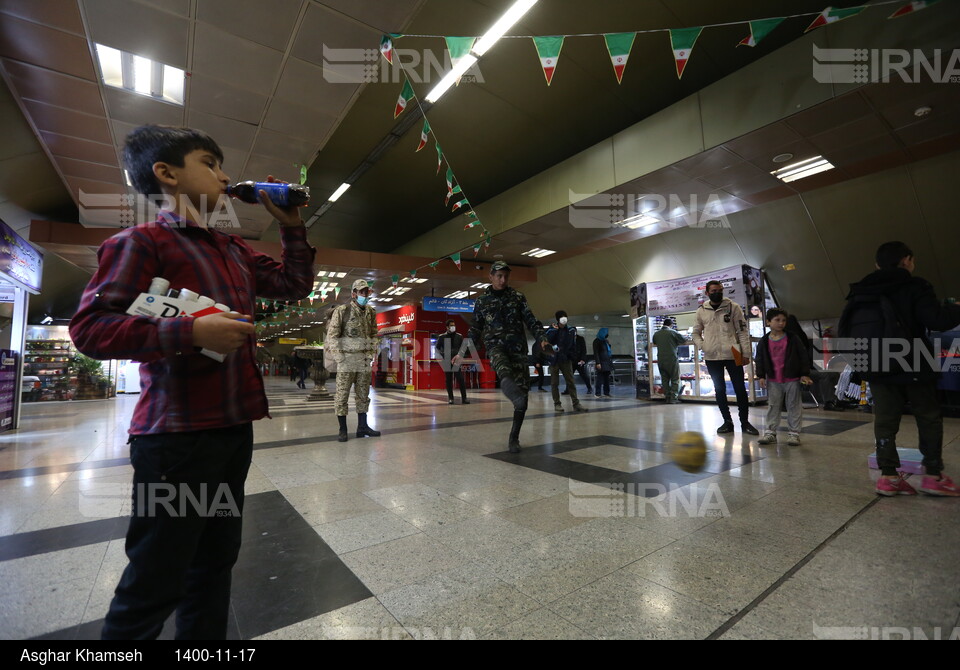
498, 317
352, 341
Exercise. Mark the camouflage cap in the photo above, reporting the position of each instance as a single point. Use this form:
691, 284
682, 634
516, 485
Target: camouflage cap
359, 285
499, 265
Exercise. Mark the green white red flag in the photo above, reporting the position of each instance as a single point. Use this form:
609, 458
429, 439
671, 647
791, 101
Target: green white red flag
455, 189
618, 46
406, 94
912, 7
831, 15
439, 154
386, 48
759, 30
456, 259
548, 49
424, 134
682, 41
458, 205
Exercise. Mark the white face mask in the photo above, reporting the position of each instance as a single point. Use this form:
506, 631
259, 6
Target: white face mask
563, 320
452, 329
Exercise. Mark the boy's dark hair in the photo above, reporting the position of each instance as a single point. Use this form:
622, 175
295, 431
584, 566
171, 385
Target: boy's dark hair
712, 282
147, 145
775, 312
889, 254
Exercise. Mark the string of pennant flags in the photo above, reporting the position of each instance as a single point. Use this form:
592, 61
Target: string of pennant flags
619, 45
548, 49
682, 40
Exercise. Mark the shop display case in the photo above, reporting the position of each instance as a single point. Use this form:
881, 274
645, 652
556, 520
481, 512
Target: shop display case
50, 360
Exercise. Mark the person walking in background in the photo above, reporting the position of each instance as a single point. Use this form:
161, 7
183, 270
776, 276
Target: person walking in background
448, 345
499, 316
301, 366
602, 354
667, 340
539, 357
581, 362
782, 365
352, 340
721, 333
892, 299
564, 341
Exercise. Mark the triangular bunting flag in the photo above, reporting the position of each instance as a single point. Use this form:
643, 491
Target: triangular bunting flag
619, 45
434, 264
386, 48
303, 174
912, 7
413, 274
476, 250
471, 225
456, 259
831, 15
548, 49
472, 214
458, 205
486, 242
405, 96
439, 155
682, 42
424, 133
458, 48
455, 189
336, 292
395, 280
759, 30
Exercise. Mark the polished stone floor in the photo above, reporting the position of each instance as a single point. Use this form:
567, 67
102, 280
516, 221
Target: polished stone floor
434, 530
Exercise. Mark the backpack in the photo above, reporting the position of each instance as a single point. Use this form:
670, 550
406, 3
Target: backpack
865, 322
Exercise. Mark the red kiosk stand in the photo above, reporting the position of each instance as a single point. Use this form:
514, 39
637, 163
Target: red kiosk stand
407, 353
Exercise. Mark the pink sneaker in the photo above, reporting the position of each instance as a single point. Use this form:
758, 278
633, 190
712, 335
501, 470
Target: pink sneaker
939, 487
895, 487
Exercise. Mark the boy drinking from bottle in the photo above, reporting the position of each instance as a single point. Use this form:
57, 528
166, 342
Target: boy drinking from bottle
191, 435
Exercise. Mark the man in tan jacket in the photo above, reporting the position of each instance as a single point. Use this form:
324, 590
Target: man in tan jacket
722, 334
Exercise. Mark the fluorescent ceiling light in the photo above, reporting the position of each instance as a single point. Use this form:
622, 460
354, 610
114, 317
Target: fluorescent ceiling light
340, 191
503, 24
137, 74
637, 221
538, 253
457, 294
479, 285
414, 280
805, 168
452, 76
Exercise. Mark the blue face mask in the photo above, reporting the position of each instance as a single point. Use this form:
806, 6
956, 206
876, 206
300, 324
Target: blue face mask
362, 300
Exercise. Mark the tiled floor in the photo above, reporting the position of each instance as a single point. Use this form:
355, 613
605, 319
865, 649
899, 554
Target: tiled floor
434, 530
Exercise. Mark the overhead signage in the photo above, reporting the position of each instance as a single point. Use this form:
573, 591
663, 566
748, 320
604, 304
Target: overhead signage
431, 304
20, 262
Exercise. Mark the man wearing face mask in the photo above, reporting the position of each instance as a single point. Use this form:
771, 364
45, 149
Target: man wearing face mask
448, 345
722, 334
564, 341
352, 341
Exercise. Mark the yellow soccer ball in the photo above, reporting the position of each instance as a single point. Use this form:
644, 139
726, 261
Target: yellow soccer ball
689, 451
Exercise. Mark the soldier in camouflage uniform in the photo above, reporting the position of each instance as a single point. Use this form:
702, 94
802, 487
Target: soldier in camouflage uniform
498, 316
352, 341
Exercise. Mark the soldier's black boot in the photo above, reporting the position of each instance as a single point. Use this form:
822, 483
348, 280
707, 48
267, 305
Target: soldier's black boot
514, 444
342, 437
363, 430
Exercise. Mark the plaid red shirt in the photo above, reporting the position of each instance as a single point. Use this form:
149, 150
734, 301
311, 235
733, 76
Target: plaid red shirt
181, 389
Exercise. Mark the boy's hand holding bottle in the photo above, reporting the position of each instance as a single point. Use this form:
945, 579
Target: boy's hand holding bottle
283, 201
223, 332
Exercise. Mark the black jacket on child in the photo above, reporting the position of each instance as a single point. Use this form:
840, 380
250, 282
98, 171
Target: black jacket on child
795, 365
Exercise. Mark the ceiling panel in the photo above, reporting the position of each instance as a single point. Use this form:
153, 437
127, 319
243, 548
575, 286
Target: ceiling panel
322, 27
295, 119
87, 170
385, 17
227, 132
69, 122
138, 109
35, 83
304, 83
268, 23
62, 14
72, 147
222, 99
163, 37
44, 46
293, 150
251, 66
